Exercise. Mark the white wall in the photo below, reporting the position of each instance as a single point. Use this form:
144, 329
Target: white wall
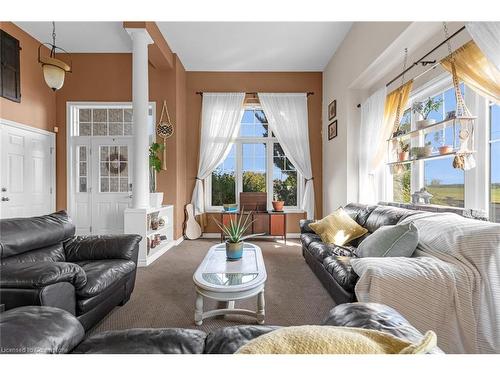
370, 55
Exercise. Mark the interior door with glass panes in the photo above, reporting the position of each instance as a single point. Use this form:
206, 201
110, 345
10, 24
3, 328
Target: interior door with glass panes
111, 183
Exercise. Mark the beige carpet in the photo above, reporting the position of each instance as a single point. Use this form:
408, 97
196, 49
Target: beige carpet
164, 293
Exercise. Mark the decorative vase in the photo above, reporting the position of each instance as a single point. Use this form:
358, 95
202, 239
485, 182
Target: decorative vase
402, 156
278, 205
234, 250
421, 124
446, 149
155, 199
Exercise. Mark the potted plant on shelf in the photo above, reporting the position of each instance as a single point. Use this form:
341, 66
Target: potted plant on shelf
404, 151
155, 198
422, 152
277, 203
234, 233
444, 149
423, 109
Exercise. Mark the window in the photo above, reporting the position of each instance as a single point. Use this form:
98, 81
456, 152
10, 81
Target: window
104, 121
401, 178
495, 162
255, 163
440, 178
224, 180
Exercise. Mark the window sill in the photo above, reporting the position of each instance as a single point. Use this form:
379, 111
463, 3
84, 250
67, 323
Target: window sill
286, 211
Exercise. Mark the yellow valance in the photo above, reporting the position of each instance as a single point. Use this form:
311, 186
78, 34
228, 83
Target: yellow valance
395, 104
475, 70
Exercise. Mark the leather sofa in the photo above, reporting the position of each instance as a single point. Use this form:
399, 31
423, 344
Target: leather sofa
331, 263
33, 329
43, 263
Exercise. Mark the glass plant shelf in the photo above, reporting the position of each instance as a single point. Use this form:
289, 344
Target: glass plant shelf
435, 156
426, 129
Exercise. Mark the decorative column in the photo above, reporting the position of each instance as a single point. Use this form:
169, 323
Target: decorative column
140, 103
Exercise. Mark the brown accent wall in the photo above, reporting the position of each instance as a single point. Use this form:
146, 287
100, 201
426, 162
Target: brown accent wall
38, 102
107, 77
255, 82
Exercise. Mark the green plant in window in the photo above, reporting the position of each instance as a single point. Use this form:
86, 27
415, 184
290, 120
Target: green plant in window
154, 164
426, 107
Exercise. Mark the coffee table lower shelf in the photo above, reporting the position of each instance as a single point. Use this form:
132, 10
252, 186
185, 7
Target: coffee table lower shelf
229, 298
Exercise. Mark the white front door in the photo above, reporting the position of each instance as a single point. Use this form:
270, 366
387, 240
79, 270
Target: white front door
111, 184
26, 172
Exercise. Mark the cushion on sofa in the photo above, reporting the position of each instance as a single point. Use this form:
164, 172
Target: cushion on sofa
386, 215
390, 241
338, 228
36, 329
335, 340
228, 340
145, 341
341, 270
101, 274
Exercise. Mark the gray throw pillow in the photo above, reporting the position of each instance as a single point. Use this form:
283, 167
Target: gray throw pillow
390, 241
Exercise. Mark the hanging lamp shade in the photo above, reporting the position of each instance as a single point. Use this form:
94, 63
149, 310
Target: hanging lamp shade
54, 69
54, 72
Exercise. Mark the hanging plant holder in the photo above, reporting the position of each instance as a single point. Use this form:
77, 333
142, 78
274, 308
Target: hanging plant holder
164, 130
464, 157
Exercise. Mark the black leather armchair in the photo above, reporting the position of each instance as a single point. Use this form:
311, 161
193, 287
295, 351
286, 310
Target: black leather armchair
43, 263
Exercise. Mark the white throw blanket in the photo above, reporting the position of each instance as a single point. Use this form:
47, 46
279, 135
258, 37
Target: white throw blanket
451, 285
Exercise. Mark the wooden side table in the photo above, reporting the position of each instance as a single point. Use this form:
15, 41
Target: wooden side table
268, 222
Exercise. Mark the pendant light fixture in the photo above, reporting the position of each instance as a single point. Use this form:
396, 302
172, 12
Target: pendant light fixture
54, 70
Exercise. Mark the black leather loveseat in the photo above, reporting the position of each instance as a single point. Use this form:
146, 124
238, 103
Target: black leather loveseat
331, 263
33, 329
43, 263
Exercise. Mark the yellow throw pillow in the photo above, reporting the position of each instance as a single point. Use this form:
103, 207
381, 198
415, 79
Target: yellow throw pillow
334, 340
338, 228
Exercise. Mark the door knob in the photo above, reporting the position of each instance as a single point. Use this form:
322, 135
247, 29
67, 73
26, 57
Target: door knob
5, 199
4, 189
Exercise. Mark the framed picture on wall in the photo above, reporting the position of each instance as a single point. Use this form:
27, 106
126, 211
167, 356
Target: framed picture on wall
332, 130
332, 110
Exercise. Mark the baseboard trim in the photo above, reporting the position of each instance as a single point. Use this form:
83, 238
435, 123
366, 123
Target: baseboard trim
150, 260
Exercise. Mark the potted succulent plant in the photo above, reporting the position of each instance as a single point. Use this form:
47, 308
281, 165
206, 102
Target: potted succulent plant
444, 148
422, 152
277, 203
404, 151
155, 198
234, 233
423, 109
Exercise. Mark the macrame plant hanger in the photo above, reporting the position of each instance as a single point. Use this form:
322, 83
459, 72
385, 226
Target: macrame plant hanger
398, 168
164, 130
464, 158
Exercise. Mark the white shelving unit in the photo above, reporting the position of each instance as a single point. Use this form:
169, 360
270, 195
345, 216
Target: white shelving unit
137, 222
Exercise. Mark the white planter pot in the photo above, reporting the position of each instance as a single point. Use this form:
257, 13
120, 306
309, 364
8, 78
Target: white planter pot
155, 200
425, 123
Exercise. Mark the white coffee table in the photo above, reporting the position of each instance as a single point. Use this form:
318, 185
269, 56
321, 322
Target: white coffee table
230, 281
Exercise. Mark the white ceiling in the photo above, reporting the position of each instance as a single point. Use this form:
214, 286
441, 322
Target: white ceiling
82, 37
254, 46
213, 46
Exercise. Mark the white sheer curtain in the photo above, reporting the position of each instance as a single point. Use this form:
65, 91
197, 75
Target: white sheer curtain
487, 37
287, 117
372, 173
220, 124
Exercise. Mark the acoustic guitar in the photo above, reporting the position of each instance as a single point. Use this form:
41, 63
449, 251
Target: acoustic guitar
192, 229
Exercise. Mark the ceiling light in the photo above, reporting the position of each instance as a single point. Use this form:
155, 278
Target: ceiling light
54, 70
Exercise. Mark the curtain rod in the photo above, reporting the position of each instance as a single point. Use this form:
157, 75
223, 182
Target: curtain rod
421, 60
309, 93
